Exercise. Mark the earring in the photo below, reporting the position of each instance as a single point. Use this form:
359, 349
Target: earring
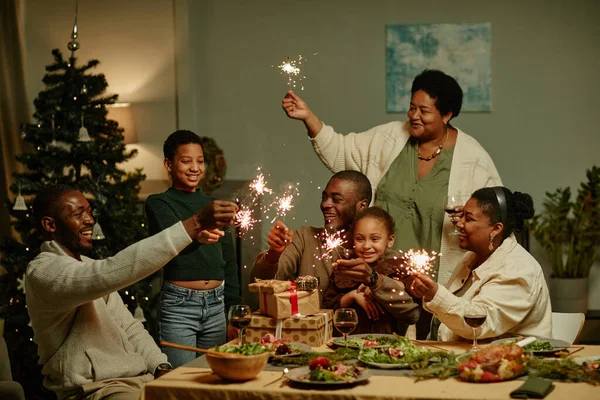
491, 246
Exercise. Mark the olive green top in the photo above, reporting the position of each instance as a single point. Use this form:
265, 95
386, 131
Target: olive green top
417, 205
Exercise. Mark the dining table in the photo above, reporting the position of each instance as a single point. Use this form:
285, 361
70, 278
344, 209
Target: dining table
195, 380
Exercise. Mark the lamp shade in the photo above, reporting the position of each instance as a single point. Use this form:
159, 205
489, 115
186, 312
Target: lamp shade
121, 112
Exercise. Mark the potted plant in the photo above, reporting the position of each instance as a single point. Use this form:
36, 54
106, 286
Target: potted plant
569, 232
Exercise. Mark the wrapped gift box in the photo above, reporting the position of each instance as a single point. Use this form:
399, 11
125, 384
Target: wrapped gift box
313, 330
280, 299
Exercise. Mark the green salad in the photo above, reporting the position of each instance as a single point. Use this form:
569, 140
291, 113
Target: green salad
401, 351
538, 345
367, 341
246, 349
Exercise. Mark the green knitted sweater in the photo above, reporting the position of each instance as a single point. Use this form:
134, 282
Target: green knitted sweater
198, 261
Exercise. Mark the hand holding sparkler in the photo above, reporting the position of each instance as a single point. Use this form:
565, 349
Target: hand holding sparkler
423, 286
210, 236
296, 108
356, 269
280, 237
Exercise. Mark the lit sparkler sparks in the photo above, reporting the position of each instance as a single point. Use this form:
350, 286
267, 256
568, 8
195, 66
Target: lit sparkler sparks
332, 240
292, 68
284, 203
244, 220
419, 261
259, 185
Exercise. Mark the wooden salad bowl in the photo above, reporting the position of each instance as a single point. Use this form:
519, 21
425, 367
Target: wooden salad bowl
239, 368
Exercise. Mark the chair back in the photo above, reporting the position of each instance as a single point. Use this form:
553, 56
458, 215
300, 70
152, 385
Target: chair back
567, 326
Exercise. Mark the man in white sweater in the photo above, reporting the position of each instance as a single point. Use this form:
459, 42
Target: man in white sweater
89, 344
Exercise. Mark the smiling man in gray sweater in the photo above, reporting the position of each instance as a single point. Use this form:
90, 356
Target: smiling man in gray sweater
89, 344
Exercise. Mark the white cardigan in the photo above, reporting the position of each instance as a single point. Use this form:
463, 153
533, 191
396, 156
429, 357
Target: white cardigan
510, 285
372, 153
82, 337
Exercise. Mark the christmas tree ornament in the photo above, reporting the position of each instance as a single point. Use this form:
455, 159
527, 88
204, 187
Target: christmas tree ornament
83, 132
53, 138
74, 44
20, 202
84, 89
139, 314
97, 233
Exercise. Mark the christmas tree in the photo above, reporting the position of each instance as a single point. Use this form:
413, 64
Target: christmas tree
73, 143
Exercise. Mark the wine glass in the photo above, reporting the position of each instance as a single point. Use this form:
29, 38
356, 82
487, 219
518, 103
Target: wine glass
474, 316
345, 321
240, 317
450, 204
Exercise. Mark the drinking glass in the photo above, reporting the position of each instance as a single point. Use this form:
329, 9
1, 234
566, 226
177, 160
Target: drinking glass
474, 316
240, 317
450, 204
345, 321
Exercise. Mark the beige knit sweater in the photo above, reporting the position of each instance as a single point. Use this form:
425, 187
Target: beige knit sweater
82, 337
372, 152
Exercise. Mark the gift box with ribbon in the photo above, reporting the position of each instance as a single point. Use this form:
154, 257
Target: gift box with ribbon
281, 299
314, 330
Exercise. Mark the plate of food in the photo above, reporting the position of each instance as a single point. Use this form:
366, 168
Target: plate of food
494, 363
592, 361
540, 347
366, 340
283, 347
396, 356
321, 372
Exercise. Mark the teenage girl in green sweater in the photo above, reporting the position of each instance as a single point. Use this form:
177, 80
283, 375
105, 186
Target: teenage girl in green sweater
201, 282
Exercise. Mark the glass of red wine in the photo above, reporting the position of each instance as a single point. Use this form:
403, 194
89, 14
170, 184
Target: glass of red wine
240, 317
345, 321
474, 316
451, 202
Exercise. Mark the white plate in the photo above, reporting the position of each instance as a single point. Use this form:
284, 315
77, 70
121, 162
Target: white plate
297, 374
557, 345
339, 341
588, 359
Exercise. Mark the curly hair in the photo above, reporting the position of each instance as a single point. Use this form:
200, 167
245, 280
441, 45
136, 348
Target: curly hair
360, 181
443, 88
179, 138
519, 207
45, 202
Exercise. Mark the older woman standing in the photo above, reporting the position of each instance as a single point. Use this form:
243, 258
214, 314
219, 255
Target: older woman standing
498, 275
412, 165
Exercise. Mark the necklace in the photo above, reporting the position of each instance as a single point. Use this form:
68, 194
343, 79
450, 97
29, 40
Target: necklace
436, 152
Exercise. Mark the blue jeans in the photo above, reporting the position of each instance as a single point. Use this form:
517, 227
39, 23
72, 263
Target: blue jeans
192, 318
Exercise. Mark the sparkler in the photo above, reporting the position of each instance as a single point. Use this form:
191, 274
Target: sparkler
284, 203
244, 220
259, 185
419, 261
332, 240
291, 68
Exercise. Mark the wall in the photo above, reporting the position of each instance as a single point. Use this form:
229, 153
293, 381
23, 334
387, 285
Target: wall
134, 42
542, 132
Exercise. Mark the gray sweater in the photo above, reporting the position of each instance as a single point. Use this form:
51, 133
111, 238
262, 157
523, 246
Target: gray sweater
83, 330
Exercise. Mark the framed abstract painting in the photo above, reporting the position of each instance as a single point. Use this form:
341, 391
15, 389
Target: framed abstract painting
462, 51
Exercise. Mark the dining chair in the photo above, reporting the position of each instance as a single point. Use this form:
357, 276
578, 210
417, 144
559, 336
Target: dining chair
567, 326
